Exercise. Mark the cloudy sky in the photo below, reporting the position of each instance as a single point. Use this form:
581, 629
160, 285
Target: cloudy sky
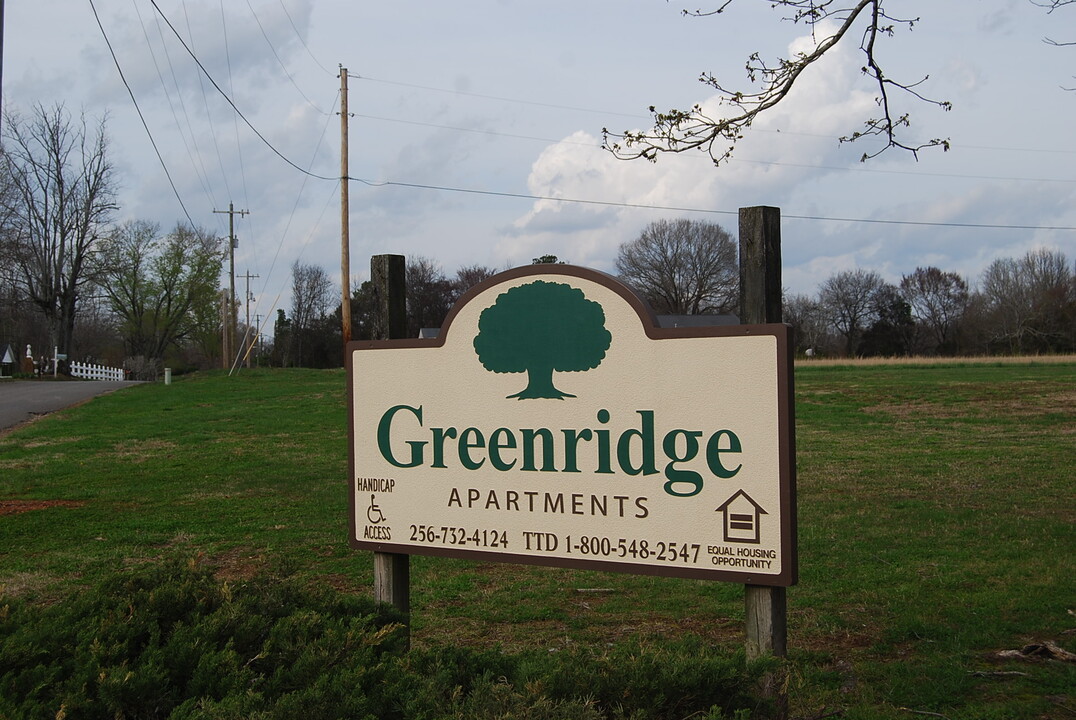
466, 113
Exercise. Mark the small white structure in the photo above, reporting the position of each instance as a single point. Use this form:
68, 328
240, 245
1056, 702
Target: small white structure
8, 358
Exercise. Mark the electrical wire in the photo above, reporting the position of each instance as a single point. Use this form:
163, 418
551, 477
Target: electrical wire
141, 117
231, 102
495, 97
649, 118
731, 161
298, 197
208, 113
610, 203
281, 62
195, 156
300, 36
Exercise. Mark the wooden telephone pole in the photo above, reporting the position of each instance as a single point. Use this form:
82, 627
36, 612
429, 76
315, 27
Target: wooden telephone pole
248, 343
228, 351
345, 212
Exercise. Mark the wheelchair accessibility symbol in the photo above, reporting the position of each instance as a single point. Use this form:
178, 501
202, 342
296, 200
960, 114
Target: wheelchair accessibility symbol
373, 513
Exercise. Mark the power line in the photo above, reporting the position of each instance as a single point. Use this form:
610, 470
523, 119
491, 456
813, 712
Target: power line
141, 117
610, 203
195, 157
637, 116
229, 100
281, 62
732, 161
495, 97
205, 102
300, 36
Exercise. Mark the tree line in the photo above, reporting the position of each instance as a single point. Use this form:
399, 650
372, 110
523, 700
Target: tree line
1023, 305
74, 280
129, 293
311, 334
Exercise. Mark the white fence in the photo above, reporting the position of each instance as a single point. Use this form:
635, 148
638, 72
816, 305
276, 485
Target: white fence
95, 372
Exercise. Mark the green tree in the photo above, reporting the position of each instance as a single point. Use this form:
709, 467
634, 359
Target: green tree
540, 328
164, 290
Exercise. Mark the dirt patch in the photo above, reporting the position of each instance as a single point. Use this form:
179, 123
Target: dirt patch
139, 451
14, 507
237, 564
1030, 403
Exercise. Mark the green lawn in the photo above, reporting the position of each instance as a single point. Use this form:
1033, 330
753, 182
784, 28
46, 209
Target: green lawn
936, 528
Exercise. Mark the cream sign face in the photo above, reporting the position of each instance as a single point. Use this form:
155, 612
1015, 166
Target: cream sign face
552, 422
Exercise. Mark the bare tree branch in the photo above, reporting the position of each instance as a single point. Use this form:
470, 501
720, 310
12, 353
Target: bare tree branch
680, 130
1050, 6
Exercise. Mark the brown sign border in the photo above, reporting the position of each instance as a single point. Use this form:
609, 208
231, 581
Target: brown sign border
789, 574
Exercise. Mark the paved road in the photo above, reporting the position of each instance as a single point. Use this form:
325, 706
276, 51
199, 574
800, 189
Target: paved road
23, 400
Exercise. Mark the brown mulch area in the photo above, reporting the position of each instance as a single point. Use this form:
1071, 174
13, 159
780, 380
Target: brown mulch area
14, 507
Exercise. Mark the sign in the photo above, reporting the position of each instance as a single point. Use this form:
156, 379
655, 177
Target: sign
553, 422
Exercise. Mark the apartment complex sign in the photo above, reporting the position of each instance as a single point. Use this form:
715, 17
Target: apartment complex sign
553, 422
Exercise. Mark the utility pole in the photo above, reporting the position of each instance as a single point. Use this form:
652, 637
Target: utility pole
228, 351
258, 335
246, 304
345, 237
1, 48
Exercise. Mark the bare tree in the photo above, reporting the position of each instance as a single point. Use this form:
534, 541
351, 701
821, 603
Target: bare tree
848, 297
772, 81
808, 318
1031, 302
430, 294
311, 295
682, 267
62, 195
470, 275
938, 300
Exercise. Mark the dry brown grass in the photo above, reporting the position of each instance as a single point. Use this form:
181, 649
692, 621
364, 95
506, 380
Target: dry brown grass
934, 360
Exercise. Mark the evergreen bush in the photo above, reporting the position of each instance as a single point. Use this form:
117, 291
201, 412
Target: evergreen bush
174, 641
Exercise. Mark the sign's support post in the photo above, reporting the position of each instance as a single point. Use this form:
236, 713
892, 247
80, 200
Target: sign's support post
392, 571
760, 302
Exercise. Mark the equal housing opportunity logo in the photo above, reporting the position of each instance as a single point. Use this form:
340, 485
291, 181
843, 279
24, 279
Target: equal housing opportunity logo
456, 450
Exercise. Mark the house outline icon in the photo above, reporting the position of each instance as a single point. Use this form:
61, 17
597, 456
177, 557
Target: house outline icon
742, 516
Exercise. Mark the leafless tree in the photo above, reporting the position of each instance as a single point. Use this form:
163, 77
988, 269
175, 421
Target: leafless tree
430, 294
771, 82
1050, 6
938, 300
311, 296
808, 318
470, 275
848, 297
682, 267
1031, 302
62, 195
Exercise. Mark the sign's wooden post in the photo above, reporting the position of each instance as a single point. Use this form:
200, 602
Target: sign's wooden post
760, 302
392, 571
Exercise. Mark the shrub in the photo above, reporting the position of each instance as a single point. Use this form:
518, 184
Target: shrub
173, 641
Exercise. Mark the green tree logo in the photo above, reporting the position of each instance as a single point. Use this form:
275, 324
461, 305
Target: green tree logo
539, 328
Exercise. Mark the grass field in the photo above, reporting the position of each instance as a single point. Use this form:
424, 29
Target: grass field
936, 530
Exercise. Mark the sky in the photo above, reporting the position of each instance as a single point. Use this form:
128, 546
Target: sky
468, 117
